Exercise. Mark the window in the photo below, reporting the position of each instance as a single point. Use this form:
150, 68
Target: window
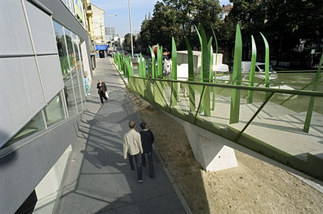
54, 111
34, 125
61, 46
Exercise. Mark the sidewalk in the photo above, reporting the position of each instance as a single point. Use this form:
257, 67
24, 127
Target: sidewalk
98, 179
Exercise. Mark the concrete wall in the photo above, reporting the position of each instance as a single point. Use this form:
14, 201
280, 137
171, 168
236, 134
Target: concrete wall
49, 189
182, 59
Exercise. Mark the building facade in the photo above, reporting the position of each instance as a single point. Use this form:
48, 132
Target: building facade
98, 26
44, 54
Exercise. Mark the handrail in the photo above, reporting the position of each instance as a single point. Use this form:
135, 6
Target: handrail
285, 91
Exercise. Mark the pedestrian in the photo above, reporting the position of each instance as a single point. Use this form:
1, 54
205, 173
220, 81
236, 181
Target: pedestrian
147, 140
86, 84
102, 90
133, 149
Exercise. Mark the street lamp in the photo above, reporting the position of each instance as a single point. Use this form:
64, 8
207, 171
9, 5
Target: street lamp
130, 28
101, 25
109, 23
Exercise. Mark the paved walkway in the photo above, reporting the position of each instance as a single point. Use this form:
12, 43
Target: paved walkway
98, 179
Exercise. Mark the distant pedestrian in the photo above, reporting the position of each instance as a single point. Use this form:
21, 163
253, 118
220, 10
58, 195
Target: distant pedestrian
147, 140
86, 84
102, 89
133, 149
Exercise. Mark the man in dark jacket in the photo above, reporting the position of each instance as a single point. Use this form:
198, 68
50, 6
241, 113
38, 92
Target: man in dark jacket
102, 89
147, 139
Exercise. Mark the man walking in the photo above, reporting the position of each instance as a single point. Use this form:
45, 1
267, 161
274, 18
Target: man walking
102, 89
147, 139
133, 149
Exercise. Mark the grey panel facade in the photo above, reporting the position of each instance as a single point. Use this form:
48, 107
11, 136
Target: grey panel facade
41, 27
23, 169
31, 77
13, 29
65, 17
31, 81
21, 94
51, 75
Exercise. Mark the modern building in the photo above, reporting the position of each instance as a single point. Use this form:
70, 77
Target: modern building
98, 25
44, 54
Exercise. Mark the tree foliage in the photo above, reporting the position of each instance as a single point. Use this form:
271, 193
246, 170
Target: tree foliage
284, 23
173, 18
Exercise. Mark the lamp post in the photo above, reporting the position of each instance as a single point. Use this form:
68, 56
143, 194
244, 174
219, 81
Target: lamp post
109, 23
101, 25
130, 28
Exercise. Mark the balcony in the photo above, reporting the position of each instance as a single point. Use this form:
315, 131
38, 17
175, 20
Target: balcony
89, 10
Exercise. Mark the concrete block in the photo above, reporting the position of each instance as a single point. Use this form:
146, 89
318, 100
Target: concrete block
208, 148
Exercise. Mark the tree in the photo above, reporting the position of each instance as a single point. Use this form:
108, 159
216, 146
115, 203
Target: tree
127, 42
284, 22
176, 19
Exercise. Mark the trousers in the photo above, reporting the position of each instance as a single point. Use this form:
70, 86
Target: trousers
150, 162
138, 164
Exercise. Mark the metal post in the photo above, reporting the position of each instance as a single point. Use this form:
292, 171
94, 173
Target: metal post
130, 28
109, 23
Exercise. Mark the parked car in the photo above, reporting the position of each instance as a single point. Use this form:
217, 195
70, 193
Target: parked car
259, 70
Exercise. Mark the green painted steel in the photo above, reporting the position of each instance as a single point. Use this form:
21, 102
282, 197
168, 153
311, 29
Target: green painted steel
144, 71
214, 72
205, 68
266, 60
252, 69
236, 78
153, 65
174, 90
129, 67
202, 53
159, 61
209, 65
190, 74
174, 60
309, 113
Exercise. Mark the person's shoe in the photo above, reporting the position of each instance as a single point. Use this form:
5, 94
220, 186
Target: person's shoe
140, 181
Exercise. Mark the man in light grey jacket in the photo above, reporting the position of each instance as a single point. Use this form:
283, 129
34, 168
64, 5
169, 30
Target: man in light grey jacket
133, 149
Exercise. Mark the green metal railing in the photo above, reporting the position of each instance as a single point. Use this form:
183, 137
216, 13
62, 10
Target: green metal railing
240, 104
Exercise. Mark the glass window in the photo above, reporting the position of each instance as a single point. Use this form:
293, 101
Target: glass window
76, 84
69, 96
76, 43
82, 86
54, 111
71, 54
61, 46
34, 125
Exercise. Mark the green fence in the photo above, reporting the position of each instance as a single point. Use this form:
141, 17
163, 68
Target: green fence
281, 119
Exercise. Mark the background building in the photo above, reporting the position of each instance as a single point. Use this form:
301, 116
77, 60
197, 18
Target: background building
44, 55
98, 26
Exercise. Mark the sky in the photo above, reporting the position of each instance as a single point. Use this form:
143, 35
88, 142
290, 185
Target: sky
139, 8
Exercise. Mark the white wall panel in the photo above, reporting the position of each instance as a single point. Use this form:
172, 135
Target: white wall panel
21, 94
13, 30
50, 70
41, 26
